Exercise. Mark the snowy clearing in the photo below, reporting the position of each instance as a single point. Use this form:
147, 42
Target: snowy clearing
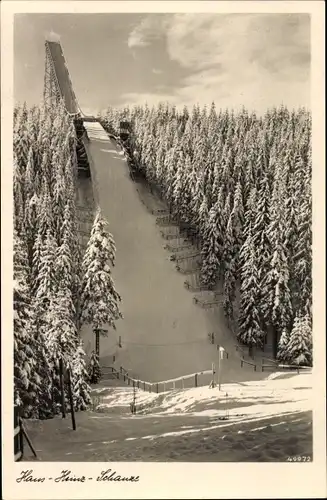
259, 421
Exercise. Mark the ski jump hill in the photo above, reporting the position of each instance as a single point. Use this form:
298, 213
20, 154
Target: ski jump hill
163, 334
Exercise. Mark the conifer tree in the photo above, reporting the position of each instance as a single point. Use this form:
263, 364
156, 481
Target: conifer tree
299, 347
276, 307
80, 387
26, 377
61, 333
46, 277
282, 354
45, 283
99, 298
250, 331
94, 370
212, 249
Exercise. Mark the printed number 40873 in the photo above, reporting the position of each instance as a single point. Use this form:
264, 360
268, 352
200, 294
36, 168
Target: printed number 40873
300, 458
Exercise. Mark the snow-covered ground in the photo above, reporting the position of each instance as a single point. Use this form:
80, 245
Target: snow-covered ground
256, 399
164, 335
254, 417
269, 420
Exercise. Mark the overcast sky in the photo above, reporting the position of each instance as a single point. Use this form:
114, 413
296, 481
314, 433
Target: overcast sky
255, 60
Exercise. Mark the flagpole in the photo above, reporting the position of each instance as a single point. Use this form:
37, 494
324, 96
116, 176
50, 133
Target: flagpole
218, 370
219, 364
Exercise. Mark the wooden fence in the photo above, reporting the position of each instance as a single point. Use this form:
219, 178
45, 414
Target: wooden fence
19, 435
197, 379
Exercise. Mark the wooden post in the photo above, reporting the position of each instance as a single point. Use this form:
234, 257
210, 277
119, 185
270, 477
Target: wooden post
71, 401
24, 434
196, 380
52, 393
213, 375
157, 388
119, 341
97, 342
62, 389
150, 388
21, 437
182, 383
164, 387
219, 367
144, 386
17, 435
174, 385
275, 343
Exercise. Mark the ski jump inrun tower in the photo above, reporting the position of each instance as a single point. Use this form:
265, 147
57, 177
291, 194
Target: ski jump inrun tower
58, 86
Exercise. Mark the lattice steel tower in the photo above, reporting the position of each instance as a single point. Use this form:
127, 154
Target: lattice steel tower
51, 90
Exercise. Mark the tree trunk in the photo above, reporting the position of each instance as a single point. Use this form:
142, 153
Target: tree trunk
97, 342
62, 388
274, 343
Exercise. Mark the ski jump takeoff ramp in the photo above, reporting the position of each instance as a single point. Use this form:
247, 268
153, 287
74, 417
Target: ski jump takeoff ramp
57, 82
163, 334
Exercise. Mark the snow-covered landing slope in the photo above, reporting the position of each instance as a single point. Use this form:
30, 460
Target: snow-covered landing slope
164, 335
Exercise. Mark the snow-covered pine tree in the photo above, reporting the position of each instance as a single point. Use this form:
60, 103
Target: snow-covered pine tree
99, 298
44, 291
18, 188
212, 249
59, 201
79, 379
259, 161
60, 330
299, 347
282, 354
39, 134
275, 301
59, 337
302, 257
229, 275
26, 373
261, 221
21, 140
201, 213
45, 221
45, 284
177, 188
63, 259
94, 370
250, 331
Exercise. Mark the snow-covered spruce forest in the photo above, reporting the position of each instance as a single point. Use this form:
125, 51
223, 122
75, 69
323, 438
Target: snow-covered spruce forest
56, 288
243, 183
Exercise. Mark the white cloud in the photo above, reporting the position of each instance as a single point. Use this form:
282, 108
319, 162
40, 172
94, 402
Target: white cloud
252, 60
150, 27
157, 71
